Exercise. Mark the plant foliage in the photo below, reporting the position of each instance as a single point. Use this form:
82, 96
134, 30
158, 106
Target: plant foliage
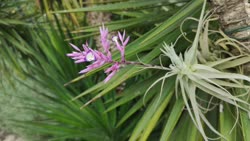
200, 94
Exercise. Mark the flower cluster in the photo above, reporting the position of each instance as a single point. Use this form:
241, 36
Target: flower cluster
100, 58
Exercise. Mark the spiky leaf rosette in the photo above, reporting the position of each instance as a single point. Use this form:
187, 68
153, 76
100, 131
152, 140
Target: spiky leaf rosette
192, 76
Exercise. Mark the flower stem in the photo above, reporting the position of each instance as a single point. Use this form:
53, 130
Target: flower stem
140, 64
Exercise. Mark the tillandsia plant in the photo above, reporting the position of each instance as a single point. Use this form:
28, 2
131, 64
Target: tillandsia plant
98, 58
193, 75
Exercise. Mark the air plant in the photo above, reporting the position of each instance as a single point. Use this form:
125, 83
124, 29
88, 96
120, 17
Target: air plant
191, 75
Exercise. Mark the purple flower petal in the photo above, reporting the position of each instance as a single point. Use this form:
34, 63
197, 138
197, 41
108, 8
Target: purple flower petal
109, 77
80, 61
104, 38
72, 54
111, 71
126, 41
75, 47
120, 36
85, 47
115, 39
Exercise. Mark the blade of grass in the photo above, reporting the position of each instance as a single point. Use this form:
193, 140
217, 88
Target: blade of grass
172, 120
115, 6
142, 124
226, 123
153, 121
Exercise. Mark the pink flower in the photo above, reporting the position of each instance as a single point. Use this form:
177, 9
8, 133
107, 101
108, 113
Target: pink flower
98, 58
111, 71
104, 41
82, 56
93, 66
121, 44
88, 55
